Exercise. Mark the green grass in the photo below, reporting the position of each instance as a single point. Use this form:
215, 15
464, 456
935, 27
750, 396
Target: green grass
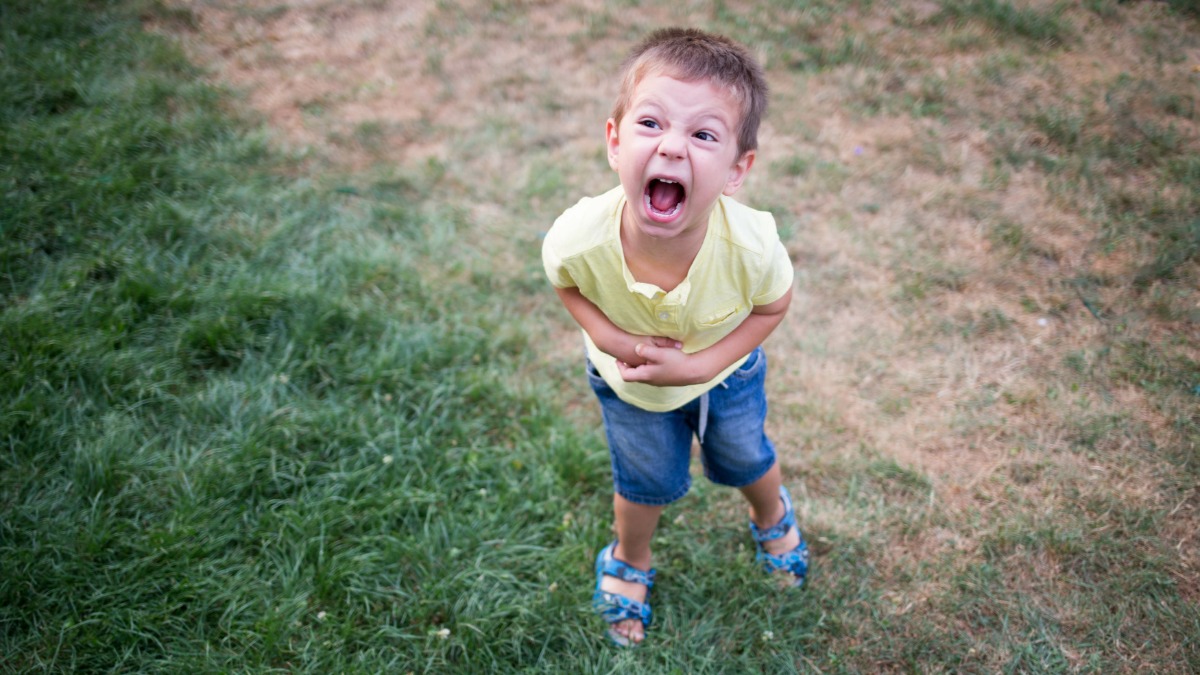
234, 432
260, 418
247, 427
1010, 20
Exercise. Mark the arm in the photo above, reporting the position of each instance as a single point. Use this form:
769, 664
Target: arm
665, 367
607, 336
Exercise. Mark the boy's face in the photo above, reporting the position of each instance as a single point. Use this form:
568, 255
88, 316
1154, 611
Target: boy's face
676, 153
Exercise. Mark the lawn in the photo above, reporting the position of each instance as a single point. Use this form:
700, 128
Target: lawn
284, 388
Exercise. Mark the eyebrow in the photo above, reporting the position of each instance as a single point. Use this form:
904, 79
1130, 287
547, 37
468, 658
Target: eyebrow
704, 116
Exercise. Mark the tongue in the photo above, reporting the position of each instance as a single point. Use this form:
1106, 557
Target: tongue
664, 196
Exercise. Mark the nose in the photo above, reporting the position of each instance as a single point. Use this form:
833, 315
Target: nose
672, 145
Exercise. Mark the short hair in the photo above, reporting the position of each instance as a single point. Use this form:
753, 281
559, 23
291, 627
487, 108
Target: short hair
690, 55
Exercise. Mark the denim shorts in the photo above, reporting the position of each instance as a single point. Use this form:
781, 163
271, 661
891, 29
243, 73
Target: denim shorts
651, 451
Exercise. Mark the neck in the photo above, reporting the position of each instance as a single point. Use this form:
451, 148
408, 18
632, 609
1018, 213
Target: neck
662, 262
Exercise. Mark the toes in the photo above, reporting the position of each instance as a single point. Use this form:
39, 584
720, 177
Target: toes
632, 629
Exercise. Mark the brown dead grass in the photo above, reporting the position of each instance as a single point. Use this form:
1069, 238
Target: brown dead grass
915, 335
423, 74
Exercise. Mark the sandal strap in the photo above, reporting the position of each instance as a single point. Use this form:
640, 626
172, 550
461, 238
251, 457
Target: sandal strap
794, 561
609, 565
614, 608
780, 529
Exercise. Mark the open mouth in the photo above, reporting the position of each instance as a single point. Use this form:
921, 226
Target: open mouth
664, 198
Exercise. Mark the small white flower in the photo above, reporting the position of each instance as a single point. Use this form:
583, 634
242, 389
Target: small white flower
321, 615
768, 635
282, 377
1042, 321
443, 634
387, 459
482, 492
553, 586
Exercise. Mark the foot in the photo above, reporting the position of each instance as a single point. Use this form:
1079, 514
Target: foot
630, 629
621, 597
787, 542
781, 546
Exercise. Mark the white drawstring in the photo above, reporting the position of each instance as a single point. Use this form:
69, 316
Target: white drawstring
704, 412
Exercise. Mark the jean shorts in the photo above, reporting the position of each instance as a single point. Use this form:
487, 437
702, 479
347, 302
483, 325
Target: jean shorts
651, 451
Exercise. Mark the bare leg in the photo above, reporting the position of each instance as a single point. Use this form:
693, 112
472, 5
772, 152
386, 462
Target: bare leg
766, 509
636, 524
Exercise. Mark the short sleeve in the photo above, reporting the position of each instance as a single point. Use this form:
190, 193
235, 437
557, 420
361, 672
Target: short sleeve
778, 273
552, 262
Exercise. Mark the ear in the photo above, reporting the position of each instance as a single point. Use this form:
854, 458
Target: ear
737, 173
610, 137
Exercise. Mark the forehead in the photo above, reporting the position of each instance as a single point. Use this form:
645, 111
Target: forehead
695, 98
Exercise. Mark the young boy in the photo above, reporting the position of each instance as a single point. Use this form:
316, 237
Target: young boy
675, 286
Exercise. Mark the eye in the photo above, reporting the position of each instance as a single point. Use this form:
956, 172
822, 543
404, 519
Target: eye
648, 123
705, 136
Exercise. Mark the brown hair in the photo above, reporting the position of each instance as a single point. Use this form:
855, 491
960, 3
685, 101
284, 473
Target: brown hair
689, 54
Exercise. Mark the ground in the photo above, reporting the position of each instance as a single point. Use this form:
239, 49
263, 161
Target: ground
979, 326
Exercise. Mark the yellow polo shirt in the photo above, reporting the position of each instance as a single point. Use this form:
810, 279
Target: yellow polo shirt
742, 263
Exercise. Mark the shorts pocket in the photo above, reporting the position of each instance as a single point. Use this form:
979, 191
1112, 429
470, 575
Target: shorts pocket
754, 364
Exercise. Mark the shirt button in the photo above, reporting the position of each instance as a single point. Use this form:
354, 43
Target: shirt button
664, 316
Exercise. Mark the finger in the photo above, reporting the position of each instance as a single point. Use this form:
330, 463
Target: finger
636, 374
647, 351
666, 343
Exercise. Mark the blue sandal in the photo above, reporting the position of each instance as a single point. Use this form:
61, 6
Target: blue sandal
614, 608
795, 561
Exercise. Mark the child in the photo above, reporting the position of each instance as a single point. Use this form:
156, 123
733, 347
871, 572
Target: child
675, 286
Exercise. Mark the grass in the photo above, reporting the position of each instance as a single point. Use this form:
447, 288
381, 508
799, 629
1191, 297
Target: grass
262, 412
1009, 20
233, 429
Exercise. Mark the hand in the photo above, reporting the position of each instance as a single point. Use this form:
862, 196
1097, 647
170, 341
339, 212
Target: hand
663, 364
628, 355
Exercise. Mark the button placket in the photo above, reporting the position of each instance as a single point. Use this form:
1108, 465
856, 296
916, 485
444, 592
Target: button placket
666, 312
